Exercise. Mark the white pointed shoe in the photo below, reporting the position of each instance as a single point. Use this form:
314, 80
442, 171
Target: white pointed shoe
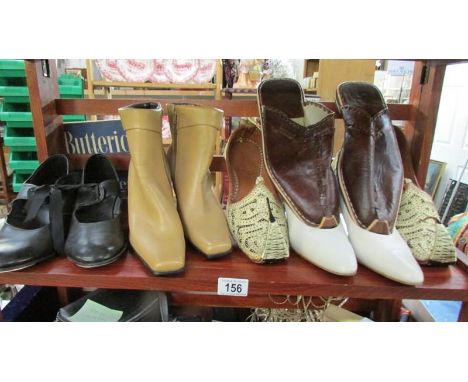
298, 145
328, 249
388, 255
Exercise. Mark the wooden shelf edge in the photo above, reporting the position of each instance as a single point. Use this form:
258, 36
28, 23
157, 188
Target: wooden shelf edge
296, 277
232, 108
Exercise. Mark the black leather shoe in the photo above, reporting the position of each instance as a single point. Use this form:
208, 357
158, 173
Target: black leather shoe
96, 237
34, 228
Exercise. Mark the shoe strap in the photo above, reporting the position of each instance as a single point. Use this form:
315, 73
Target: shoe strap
39, 196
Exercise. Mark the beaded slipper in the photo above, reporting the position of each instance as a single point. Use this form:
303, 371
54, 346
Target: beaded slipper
256, 217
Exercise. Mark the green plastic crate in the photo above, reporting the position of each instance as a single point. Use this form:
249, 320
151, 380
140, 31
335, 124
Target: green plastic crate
19, 177
70, 79
14, 90
23, 124
14, 94
13, 81
11, 112
12, 68
71, 86
20, 94
71, 91
19, 139
74, 118
23, 160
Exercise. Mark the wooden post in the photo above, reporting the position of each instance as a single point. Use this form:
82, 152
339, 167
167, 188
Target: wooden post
4, 174
41, 77
463, 315
90, 78
425, 95
387, 310
219, 79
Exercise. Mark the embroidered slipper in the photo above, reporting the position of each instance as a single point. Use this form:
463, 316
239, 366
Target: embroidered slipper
256, 216
418, 221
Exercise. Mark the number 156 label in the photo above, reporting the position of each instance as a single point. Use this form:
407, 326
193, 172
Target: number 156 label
233, 287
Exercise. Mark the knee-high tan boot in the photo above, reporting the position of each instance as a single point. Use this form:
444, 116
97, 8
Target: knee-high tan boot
156, 231
194, 130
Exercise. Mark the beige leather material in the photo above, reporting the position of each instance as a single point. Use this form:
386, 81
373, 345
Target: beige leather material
156, 231
194, 130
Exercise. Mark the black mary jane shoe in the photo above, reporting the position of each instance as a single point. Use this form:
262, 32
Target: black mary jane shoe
96, 237
34, 228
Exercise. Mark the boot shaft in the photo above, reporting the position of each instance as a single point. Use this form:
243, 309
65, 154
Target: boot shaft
194, 132
143, 127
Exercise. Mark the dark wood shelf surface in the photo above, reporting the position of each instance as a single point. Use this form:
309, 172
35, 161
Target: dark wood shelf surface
294, 277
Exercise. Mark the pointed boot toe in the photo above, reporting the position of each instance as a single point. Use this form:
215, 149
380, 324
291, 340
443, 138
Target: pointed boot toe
328, 249
387, 255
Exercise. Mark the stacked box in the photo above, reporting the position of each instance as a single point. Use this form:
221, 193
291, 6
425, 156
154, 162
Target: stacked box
71, 86
15, 112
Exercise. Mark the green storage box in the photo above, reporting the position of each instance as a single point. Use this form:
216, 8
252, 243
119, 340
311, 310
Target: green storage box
23, 160
71, 91
20, 139
71, 86
74, 118
14, 90
19, 177
23, 124
12, 68
11, 112
70, 79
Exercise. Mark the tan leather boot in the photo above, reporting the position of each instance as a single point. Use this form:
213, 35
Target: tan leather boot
194, 130
156, 232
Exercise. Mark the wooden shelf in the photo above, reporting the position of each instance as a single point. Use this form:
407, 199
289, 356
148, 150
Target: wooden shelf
294, 277
199, 283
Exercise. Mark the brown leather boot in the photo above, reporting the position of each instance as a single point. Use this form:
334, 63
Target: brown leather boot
297, 142
370, 174
194, 130
156, 232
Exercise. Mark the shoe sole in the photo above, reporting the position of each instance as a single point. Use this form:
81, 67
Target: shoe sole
102, 263
216, 256
26, 265
168, 273
212, 257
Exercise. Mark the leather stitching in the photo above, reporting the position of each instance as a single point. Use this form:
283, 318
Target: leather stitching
285, 196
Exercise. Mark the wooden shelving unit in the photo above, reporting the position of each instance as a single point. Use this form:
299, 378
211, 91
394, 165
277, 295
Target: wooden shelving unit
235, 93
294, 277
267, 283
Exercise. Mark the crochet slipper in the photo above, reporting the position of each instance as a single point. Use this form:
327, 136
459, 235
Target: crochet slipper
256, 217
418, 221
419, 224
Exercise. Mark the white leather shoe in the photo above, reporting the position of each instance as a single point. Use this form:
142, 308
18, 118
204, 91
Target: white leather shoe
388, 255
327, 248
